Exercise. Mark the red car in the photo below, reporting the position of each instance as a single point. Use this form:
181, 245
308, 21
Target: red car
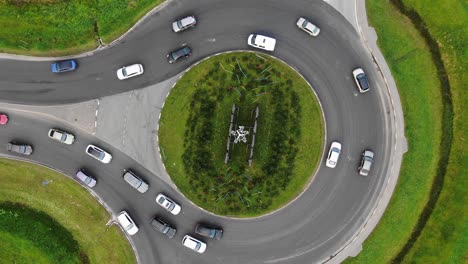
3, 119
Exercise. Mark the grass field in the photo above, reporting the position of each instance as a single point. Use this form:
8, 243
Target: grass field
53, 28
276, 176
67, 203
444, 237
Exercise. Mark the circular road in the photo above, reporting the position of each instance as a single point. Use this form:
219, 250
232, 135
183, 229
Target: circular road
311, 229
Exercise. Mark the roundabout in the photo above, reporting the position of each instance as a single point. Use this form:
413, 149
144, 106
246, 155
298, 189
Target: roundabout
319, 223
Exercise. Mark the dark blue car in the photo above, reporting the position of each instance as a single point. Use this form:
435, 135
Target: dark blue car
64, 66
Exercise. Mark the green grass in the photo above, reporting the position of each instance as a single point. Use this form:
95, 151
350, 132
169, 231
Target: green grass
445, 235
414, 72
67, 203
54, 28
33, 232
236, 189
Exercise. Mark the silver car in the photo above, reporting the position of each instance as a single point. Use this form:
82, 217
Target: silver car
308, 27
184, 23
22, 149
60, 136
366, 162
135, 181
85, 178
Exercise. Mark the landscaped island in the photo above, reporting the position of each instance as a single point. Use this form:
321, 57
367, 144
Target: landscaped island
194, 131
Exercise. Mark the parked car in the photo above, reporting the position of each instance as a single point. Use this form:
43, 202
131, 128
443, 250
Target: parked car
163, 227
127, 223
333, 154
135, 181
64, 66
184, 23
175, 55
361, 80
129, 71
168, 204
308, 27
194, 244
22, 149
61, 136
213, 233
261, 42
98, 154
3, 119
83, 177
366, 162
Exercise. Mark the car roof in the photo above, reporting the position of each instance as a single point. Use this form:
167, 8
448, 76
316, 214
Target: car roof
132, 69
124, 219
187, 20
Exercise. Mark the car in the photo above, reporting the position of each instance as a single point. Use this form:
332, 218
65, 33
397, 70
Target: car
129, 71
366, 162
61, 136
163, 227
84, 177
308, 27
361, 80
63, 66
261, 42
3, 119
194, 244
135, 181
98, 154
175, 55
213, 233
168, 204
22, 149
127, 223
184, 23
333, 154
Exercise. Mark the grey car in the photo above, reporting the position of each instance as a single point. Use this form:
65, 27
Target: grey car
366, 162
85, 178
176, 55
163, 227
135, 181
22, 149
213, 233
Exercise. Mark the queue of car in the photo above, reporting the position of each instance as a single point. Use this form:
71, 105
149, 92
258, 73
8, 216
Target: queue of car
126, 222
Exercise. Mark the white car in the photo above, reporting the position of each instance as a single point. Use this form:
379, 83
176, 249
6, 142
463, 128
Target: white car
168, 204
361, 80
61, 136
261, 42
333, 154
98, 154
194, 244
366, 162
129, 71
127, 223
308, 27
184, 23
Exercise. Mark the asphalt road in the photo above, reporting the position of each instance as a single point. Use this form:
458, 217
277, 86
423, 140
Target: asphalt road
313, 227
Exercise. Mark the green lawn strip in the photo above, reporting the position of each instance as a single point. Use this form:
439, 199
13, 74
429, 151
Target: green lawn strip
70, 205
17, 250
445, 235
415, 74
43, 231
116, 17
56, 28
178, 108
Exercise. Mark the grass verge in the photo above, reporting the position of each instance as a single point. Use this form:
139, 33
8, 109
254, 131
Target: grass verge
56, 28
194, 127
67, 203
34, 234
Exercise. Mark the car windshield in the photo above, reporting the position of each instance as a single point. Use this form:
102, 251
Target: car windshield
124, 72
363, 81
179, 24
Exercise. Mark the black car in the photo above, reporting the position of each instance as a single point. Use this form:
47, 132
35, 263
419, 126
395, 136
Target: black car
22, 149
174, 56
163, 227
213, 233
